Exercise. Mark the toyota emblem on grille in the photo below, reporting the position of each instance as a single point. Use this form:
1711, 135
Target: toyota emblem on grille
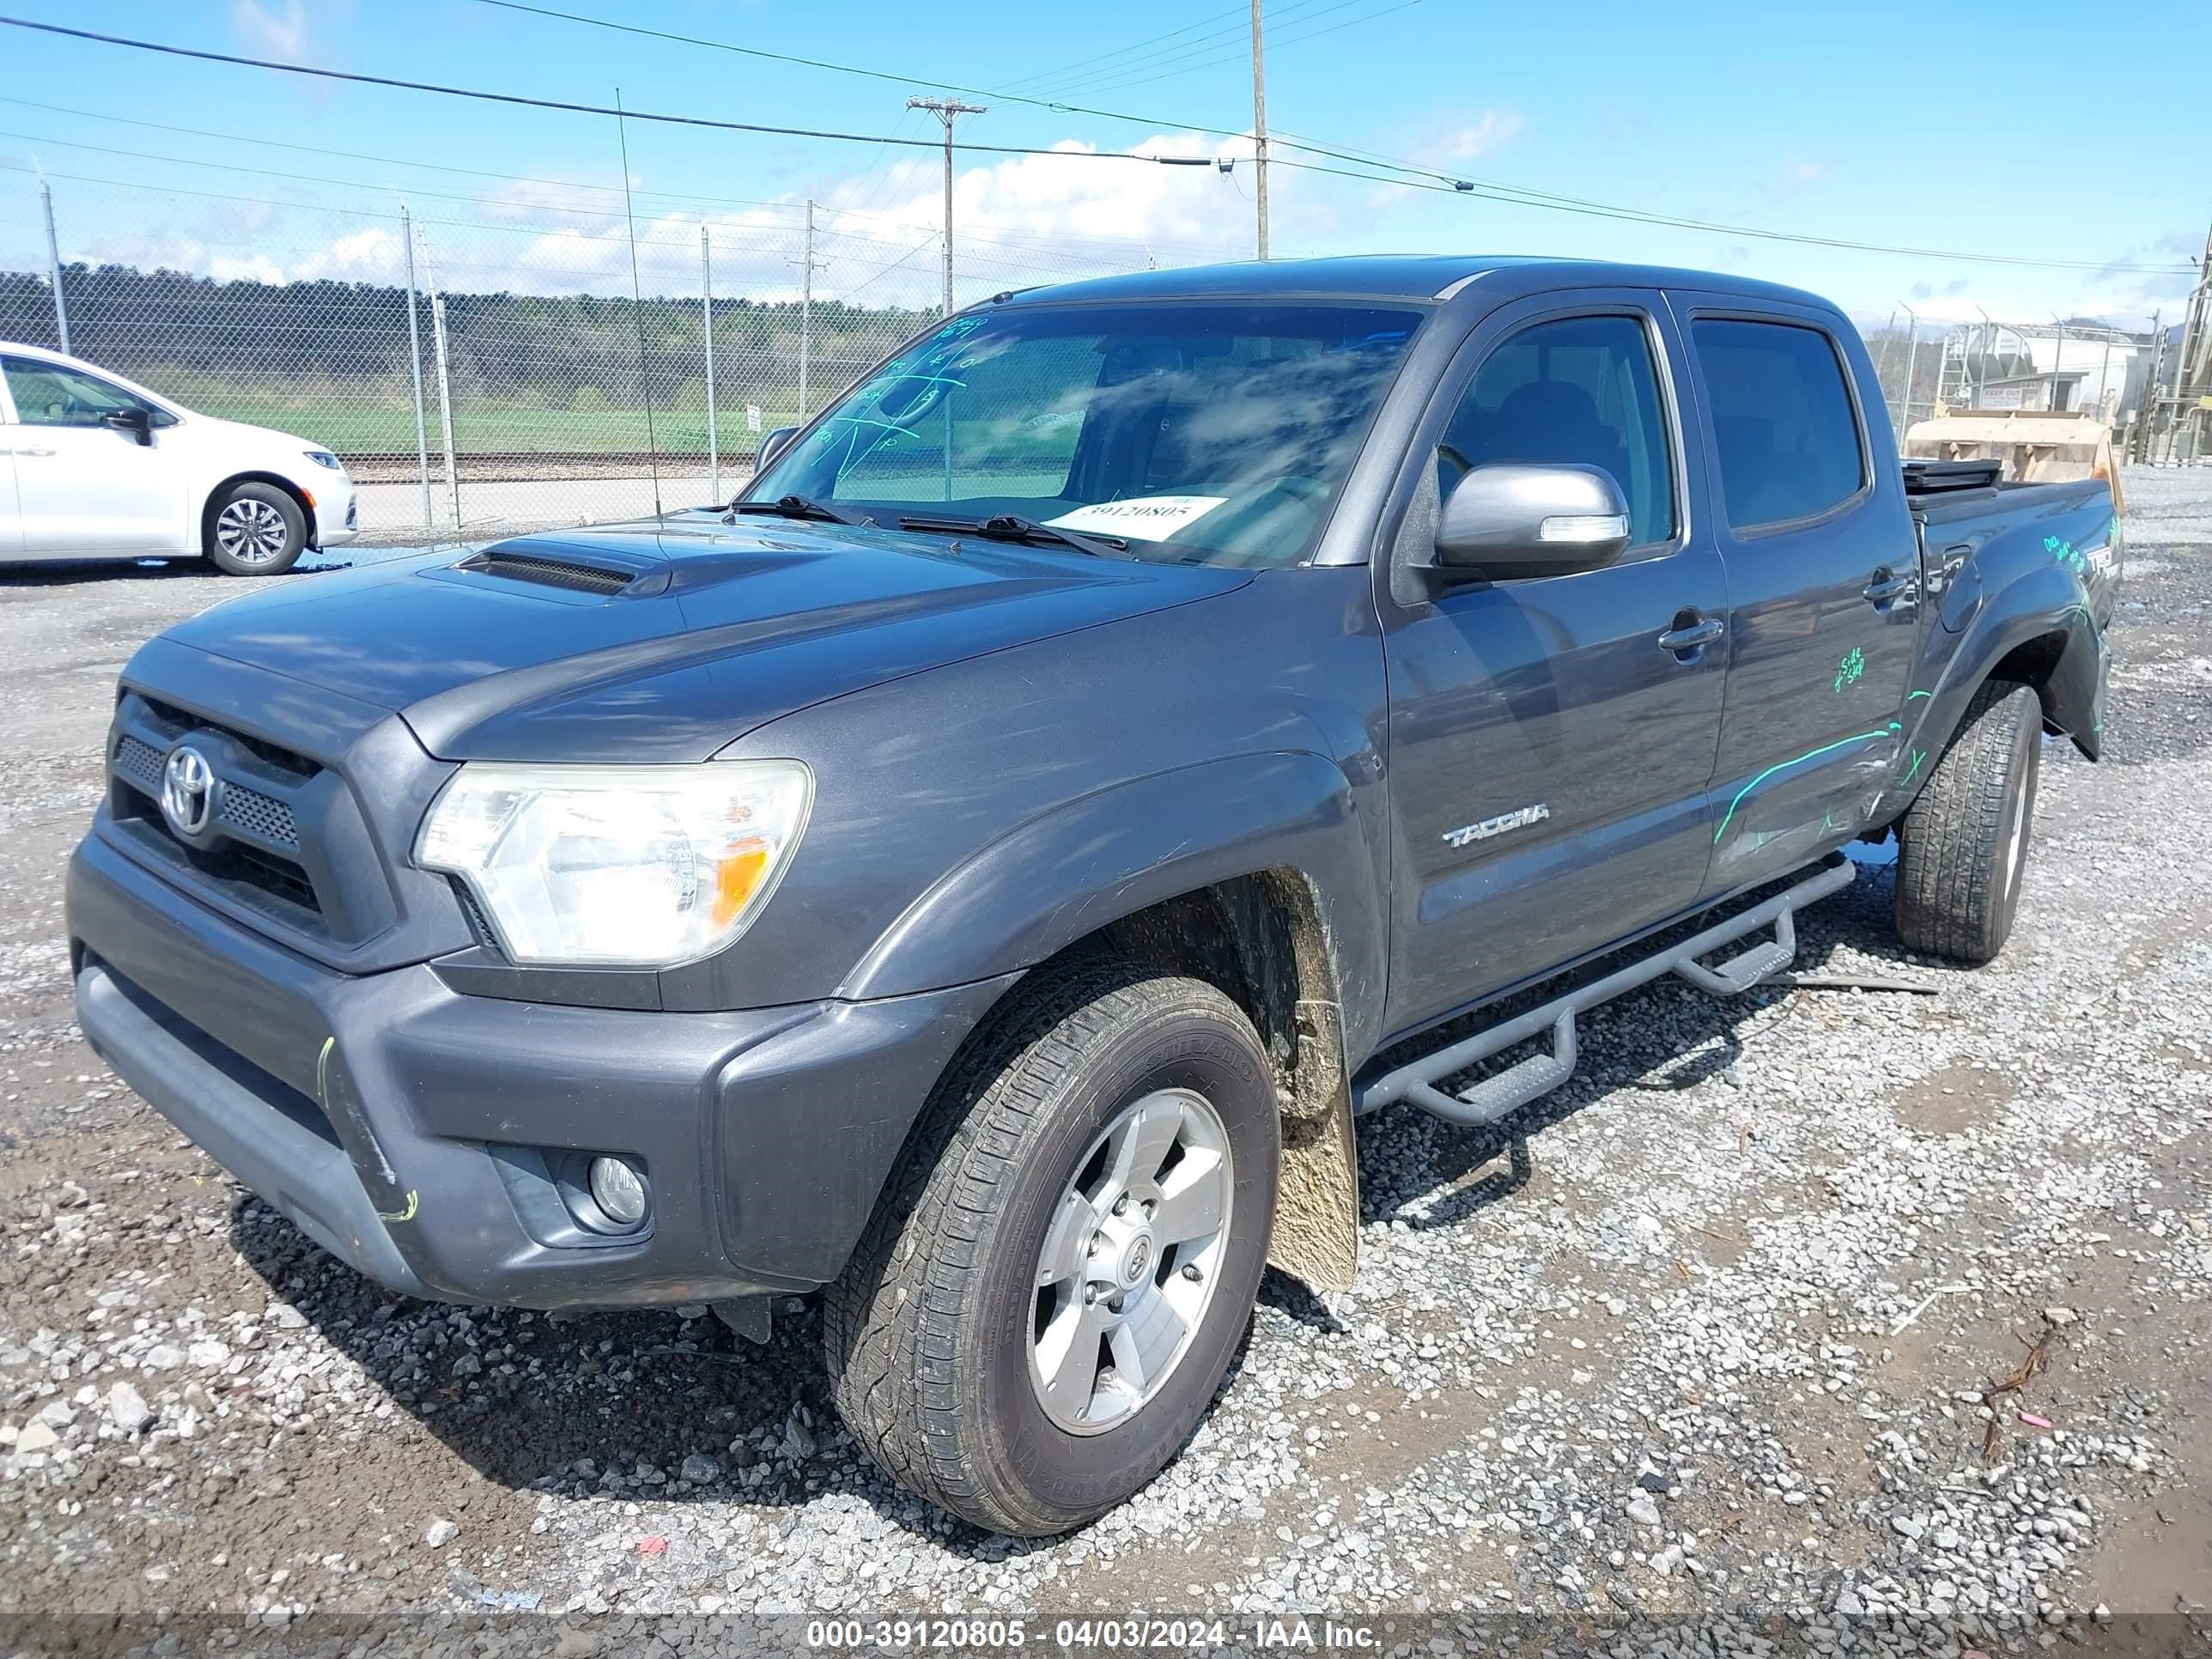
187, 791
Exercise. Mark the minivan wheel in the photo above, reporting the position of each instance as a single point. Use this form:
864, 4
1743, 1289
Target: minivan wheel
1962, 845
1049, 1293
255, 530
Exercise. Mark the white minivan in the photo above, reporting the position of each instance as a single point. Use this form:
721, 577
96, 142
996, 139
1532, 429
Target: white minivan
92, 466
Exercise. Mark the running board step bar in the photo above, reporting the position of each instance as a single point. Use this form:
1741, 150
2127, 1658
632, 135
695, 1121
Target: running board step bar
1494, 1097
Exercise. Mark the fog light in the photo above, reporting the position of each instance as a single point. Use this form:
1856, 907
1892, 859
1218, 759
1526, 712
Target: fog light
618, 1190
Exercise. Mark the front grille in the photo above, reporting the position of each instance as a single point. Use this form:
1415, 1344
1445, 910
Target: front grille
279, 877
293, 847
259, 815
551, 573
244, 807
254, 829
139, 765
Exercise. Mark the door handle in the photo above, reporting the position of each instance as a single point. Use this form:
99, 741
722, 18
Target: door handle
1885, 586
31, 452
1691, 635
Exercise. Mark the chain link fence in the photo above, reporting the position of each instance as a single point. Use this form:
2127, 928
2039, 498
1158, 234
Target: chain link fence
481, 365
480, 373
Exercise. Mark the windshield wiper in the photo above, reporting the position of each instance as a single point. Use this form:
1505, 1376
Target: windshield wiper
1012, 527
801, 506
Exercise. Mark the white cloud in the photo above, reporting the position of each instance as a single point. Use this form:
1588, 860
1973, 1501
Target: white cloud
271, 30
1492, 131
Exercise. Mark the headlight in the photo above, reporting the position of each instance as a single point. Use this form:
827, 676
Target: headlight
323, 457
633, 866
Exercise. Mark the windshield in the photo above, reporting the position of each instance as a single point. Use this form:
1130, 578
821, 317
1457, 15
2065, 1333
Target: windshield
1211, 434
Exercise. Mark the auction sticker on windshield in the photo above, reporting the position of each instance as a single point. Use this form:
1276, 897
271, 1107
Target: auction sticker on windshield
1148, 517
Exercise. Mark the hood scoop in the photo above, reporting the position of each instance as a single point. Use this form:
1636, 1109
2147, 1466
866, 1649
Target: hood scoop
547, 569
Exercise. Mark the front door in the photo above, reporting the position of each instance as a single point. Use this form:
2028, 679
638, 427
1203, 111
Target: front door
1549, 755
85, 490
11, 521
1823, 579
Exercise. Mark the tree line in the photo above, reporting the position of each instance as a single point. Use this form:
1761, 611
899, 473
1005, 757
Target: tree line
502, 347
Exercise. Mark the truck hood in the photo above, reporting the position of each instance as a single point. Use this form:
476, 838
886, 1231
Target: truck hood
666, 640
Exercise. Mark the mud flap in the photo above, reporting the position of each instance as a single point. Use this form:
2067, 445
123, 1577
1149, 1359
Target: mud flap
1316, 1235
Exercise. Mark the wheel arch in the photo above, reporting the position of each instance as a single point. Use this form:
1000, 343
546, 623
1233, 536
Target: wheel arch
1262, 939
251, 475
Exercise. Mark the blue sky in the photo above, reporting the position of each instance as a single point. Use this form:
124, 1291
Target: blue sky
1780, 117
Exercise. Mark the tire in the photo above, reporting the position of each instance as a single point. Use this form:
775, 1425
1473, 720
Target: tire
254, 530
1963, 843
939, 1330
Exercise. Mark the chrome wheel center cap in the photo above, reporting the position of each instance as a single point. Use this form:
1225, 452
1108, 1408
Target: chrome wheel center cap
1137, 1259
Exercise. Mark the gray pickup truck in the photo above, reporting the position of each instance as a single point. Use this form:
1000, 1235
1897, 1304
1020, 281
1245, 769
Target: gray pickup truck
978, 872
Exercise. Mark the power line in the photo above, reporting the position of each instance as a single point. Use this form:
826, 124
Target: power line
343, 154
1211, 21
552, 206
1483, 189
1288, 41
486, 96
1055, 106
1215, 37
1509, 195
582, 208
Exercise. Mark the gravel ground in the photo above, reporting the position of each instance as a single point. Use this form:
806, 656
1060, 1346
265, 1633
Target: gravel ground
1877, 1314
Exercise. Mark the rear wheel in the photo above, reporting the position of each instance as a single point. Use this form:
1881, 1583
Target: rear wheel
1962, 845
255, 530
1048, 1297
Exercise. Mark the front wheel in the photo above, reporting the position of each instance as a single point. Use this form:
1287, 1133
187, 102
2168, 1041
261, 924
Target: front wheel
1050, 1292
255, 530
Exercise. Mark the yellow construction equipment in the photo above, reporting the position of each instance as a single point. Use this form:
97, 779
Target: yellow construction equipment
2034, 445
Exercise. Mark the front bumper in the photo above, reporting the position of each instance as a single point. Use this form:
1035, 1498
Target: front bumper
411, 1130
337, 511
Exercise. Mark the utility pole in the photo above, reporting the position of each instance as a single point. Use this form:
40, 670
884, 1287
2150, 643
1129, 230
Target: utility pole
1260, 124
2192, 367
947, 110
2057, 358
706, 333
415, 370
807, 266
2150, 400
1911, 362
1982, 366
54, 265
445, 381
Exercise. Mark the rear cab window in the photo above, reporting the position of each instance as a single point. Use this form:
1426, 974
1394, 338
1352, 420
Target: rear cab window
1786, 436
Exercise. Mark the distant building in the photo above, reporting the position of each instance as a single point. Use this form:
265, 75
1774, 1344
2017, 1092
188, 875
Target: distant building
2074, 366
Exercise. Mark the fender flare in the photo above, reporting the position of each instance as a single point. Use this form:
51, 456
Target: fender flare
2033, 604
1060, 876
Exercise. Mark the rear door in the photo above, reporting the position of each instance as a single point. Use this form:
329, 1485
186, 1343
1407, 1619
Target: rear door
1823, 579
85, 490
1549, 756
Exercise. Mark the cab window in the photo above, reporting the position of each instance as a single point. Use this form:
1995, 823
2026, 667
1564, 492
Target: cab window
1783, 430
49, 394
1583, 390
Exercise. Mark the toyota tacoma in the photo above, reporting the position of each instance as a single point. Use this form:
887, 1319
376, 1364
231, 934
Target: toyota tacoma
982, 872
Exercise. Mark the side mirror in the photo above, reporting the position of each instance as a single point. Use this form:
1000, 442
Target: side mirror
773, 444
1509, 520
136, 421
